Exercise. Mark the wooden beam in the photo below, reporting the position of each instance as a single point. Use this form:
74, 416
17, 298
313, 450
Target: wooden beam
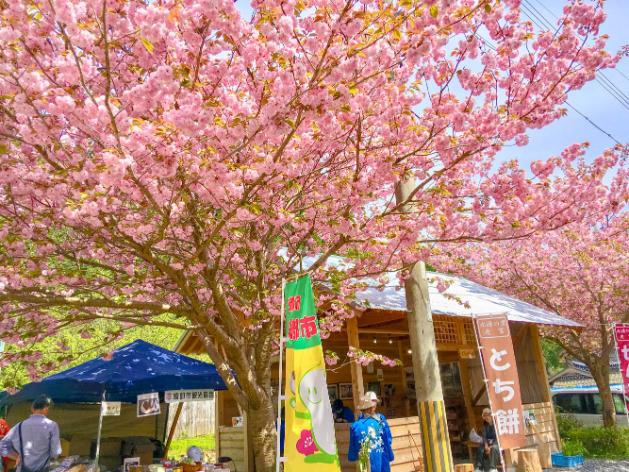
479, 394
541, 368
356, 369
467, 392
173, 427
373, 318
407, 402
383, 330
217, 423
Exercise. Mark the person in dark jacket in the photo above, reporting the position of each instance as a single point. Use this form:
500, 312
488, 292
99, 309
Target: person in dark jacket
341, 413
488, 454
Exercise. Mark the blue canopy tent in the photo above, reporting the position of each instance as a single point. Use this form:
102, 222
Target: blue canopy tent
132, 370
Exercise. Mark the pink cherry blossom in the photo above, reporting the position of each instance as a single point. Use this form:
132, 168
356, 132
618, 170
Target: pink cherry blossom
173, 158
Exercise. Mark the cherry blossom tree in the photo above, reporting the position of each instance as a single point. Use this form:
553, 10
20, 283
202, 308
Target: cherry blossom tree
171, 157
580, 272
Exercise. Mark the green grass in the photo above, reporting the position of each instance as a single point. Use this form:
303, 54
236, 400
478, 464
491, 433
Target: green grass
179, 447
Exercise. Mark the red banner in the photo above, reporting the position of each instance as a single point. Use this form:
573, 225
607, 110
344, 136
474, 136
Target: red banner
622, 344
503, 384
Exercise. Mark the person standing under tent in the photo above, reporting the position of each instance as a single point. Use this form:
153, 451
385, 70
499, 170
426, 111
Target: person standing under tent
34, 441
371, 427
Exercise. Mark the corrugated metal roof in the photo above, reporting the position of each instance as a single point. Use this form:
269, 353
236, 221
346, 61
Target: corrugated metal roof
462, 298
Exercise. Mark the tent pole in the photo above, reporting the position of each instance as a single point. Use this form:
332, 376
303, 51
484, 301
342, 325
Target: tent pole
100, 430
173, 427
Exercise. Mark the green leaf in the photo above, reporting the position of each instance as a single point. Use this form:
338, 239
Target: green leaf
4, 149
434, 11
147, 44
487, 8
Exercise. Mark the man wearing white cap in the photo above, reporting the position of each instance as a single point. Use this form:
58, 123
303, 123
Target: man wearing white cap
371, 427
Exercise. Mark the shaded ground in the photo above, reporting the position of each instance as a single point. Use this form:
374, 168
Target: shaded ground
179, 447
597, 465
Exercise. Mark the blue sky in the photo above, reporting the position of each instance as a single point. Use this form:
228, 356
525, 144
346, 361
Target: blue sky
592, 100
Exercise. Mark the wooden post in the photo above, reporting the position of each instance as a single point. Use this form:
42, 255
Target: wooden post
467, 392
173, 427
248, 450
432, 412
407, 403
358, 389
541, 369
217, 424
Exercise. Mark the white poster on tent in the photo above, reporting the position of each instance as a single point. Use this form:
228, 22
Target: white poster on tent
174, 396
148, 404
111, 408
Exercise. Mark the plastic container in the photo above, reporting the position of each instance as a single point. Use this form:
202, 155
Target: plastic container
559, 460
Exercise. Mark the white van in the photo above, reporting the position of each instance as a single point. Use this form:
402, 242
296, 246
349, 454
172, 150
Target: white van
585, 404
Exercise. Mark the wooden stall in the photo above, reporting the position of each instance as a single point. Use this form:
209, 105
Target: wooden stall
383, 329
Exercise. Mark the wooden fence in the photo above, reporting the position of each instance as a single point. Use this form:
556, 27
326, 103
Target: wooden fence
197, 419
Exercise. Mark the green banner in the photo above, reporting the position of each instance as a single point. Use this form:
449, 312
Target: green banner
310, 444
302, 327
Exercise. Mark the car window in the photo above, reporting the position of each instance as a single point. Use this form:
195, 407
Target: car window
619, 403
595, 404
570, 403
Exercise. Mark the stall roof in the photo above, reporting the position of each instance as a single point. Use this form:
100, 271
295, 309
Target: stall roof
136, 368
462, 298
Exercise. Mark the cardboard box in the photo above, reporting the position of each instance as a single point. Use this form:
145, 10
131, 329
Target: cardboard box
65, 447
111, 447
80, 446
146, 457
109, 462
141, 447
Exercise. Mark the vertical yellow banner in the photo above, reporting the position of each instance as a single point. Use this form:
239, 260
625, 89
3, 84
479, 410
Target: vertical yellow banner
310, 441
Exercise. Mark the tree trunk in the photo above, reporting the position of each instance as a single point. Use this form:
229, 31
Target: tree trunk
600, 373
261, 430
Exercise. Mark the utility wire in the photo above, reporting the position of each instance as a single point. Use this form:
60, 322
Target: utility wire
609, 135
621, 73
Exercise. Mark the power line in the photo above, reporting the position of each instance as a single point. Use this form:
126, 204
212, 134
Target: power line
621, 72
609, 135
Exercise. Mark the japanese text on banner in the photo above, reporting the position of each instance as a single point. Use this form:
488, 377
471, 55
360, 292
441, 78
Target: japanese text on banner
622, 344
503, 384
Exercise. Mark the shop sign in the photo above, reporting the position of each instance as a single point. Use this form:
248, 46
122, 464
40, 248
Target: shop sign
502, 382
148, 404
621, 331
110, 408
174, 396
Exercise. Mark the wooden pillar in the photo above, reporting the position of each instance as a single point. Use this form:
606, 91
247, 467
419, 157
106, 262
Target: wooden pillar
467, 393
248, 455
407, 402
217, 423
173, 428
543, 375
358, 388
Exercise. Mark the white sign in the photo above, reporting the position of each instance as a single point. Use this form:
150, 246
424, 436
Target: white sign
110, 408
174, 396
130, 462
148, 404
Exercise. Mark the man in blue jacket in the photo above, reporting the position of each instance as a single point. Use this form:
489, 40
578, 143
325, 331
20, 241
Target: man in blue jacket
341, 413
372, 427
